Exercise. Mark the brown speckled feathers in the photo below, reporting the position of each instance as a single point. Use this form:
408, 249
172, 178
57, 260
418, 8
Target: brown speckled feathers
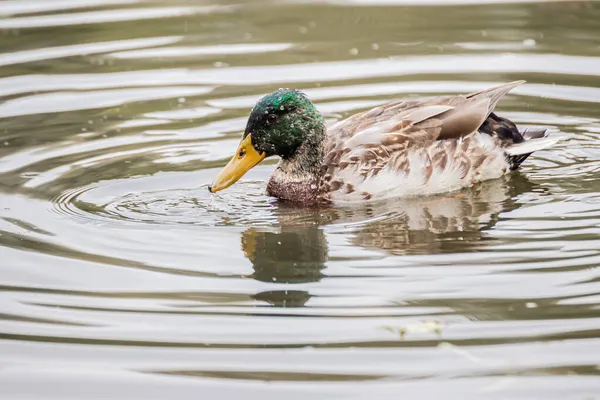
455, 135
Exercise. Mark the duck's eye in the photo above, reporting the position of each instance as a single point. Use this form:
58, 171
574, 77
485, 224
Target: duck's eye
271, 119
242, 153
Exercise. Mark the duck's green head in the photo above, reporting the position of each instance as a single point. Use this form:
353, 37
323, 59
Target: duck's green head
278, 125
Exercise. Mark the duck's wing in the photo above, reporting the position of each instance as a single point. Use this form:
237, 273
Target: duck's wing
418, 121
386, 136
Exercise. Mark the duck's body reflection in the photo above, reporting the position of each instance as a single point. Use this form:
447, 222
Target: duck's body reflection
297, 251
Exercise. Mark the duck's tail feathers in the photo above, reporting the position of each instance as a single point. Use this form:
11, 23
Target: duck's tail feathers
534, 133
535, 139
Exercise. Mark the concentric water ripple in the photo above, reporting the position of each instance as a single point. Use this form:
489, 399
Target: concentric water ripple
192, 206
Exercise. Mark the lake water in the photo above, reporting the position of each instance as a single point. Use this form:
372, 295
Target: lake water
122, 277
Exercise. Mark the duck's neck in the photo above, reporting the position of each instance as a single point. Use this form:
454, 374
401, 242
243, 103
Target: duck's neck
297, 177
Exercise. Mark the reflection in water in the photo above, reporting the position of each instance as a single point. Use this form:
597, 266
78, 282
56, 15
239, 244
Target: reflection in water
294, 255
298, 250
450, 223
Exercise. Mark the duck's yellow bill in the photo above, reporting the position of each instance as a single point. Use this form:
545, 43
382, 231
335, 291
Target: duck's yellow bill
243, 160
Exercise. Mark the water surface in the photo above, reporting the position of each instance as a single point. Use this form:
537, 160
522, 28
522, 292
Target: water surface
122, 277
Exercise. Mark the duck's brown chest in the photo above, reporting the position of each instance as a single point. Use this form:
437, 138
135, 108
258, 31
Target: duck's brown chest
305, 192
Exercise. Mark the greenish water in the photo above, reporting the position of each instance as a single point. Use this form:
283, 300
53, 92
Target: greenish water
121, 277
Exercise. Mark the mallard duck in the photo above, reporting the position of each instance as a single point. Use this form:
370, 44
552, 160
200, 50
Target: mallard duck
404, 148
